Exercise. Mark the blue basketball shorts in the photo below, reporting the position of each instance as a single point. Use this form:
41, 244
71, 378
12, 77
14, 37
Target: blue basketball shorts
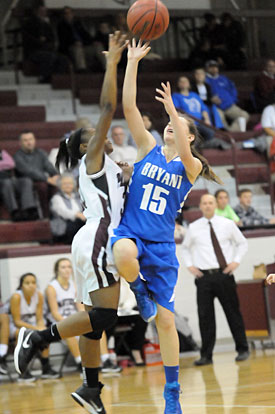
158, 266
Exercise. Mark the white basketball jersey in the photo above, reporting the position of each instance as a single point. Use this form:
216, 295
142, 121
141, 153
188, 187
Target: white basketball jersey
28, 311
102, 193
65, 299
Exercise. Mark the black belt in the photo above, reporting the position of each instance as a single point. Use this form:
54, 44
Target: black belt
211, 271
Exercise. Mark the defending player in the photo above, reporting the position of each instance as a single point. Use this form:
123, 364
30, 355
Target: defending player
144, 241
102, 191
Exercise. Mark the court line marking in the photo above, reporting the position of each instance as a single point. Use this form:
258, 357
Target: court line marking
194, 405
223, 389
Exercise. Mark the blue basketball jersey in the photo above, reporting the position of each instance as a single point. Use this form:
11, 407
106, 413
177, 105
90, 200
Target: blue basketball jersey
156, 193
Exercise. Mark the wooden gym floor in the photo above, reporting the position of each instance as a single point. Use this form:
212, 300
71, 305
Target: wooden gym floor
225, 388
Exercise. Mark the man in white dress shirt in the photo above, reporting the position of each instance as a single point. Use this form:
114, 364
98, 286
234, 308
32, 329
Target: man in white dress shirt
212, 249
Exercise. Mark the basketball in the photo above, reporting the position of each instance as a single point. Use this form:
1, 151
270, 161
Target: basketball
148, 19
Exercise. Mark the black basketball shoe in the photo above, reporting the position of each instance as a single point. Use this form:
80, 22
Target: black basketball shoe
89, 398
29, 342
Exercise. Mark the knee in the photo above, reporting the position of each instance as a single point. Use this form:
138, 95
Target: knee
102, 319
7, 185
165, 321
124, 251
25, 182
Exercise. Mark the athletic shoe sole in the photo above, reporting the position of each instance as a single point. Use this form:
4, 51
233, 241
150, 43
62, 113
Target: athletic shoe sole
32, 379
17, 349
86, 405
45, 376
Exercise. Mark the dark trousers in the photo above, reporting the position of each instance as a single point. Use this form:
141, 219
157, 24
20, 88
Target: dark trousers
134, 338
13, 189
221, 286
49, 62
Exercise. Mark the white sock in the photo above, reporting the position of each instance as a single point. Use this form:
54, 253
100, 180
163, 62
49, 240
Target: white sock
104, 357
3, 349
78, 359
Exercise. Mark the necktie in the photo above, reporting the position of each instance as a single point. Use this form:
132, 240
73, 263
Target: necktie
217, 248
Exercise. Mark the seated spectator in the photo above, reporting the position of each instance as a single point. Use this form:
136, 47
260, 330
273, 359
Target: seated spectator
108, 359
248, 215
26, 308
121, 151
12, 188
201, 54
39, 45
264, 86
101, 41
60, 300
33, 163
225, 97
65, 206
191, 103
4, 339
74, 40
203, 89
223, 208
149, 125
234, 41
128, 315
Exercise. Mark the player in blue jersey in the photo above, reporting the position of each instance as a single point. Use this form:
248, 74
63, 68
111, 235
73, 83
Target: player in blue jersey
143, 243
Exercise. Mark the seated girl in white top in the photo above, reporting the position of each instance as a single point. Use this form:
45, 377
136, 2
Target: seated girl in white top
26, 309
60, 299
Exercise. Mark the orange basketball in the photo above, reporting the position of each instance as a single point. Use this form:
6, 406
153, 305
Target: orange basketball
148, 19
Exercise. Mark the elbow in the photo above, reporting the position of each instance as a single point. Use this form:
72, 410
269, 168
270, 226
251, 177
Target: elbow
108, 107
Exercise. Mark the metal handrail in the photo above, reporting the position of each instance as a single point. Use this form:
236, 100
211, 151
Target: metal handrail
3, 31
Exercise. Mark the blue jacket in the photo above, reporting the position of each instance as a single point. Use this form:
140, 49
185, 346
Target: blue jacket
224, 89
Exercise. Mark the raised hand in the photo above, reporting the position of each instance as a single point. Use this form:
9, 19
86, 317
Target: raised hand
166, 98
117, 43
137, 51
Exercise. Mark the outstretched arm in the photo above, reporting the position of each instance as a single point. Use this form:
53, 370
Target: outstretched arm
108, 99
180, 127
144, 140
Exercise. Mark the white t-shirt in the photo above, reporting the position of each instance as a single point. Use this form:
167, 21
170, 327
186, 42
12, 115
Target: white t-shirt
202, 92
268, 117
125, 153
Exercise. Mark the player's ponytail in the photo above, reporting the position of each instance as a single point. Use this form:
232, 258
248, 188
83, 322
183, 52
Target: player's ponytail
206, 171
69, 153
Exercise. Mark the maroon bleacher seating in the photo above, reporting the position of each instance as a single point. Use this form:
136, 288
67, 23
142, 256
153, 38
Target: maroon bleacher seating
251, 174
193, 199
22, 114
8, 98
25, 231
42, 130
191, 215
46, 144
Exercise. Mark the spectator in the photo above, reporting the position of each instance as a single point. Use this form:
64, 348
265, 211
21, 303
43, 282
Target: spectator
223, 208
33, 163
234, 42
66, 210
128, 315
264, 87
225, 97
212, 249
12, 187
191, 103
201, 54
121, 152
101, 41
248, 215
39, 45
60, 300
149, 125
4, 339
203, 89
26, 308
212, 31
108, 359
74, 40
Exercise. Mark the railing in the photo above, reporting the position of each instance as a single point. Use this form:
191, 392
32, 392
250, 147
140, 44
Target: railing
4, 31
